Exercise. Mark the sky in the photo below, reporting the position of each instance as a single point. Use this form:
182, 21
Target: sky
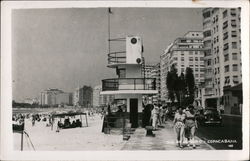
67, 48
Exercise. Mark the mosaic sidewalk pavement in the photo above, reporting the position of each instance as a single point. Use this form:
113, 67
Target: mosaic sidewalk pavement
165, 139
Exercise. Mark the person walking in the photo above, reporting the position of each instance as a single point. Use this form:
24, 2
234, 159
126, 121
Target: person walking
179, 126
190, 125
159, 120
154, 115
163, 117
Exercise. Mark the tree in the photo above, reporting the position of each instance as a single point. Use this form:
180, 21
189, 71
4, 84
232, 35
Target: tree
190, 85
181, 88
172, 86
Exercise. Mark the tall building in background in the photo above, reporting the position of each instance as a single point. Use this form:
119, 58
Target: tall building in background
164, 71
53, 96
146, 71
221, 30
97, 96
83, 96
156, 73
186, 51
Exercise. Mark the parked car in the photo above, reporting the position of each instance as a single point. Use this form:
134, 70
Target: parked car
209, 116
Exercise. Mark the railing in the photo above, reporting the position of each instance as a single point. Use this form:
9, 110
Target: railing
115, 84
117, 57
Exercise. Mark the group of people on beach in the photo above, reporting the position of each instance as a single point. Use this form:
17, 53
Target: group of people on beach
185, 125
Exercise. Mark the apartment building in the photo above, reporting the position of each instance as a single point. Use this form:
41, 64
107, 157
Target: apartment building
186, 51
222, 32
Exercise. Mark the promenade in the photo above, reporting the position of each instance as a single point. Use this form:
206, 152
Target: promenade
165, 139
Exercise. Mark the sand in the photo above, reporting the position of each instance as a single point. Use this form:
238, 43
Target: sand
75, 139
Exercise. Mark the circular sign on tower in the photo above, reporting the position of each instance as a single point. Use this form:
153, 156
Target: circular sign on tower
133, 40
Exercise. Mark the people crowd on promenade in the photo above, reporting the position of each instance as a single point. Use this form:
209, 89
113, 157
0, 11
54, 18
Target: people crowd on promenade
185, 125
184, 121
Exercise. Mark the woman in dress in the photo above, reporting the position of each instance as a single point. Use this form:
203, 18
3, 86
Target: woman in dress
190, 125
154, 116
179, 126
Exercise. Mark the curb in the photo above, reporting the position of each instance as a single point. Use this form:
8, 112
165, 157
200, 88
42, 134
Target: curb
229, 115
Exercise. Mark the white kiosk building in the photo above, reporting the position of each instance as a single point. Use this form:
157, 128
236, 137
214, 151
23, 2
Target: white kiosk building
130, 86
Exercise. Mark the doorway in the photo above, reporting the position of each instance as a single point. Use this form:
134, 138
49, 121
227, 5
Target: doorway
133, 112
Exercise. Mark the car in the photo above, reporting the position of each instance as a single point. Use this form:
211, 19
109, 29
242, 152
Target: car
209, 116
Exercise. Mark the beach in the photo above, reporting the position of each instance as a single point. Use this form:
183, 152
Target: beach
44, 138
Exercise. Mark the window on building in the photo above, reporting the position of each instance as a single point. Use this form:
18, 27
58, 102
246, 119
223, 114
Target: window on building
196, 52
175, 58
233, 23
218, 70
209, 62
121, 73
234, 45
225, 24
233, 12
191, 58
235, 79
226, 68
196, 58
235, 67
182, 59
225, 14
201, 58
234, 34
196, 69
190, 52
235, 56
227, 80
196, 75
207, 33
225, 35
183, 40
202, 69
225, 47
226, 57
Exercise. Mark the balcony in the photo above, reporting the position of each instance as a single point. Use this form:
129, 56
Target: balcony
116, 58
129, 86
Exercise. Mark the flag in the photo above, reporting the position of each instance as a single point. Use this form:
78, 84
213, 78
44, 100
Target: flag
109, 10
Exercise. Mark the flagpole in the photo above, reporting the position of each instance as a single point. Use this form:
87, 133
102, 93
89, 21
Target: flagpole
109, 30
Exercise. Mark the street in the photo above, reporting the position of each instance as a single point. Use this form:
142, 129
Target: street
228, 136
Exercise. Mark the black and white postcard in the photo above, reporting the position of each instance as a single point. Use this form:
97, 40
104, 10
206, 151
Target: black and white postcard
123, 80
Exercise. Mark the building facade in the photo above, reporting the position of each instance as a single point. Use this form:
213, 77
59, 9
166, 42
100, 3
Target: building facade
146, 71
83, 96
53, 96
221, 30
186, 51
156, 73
97, 96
